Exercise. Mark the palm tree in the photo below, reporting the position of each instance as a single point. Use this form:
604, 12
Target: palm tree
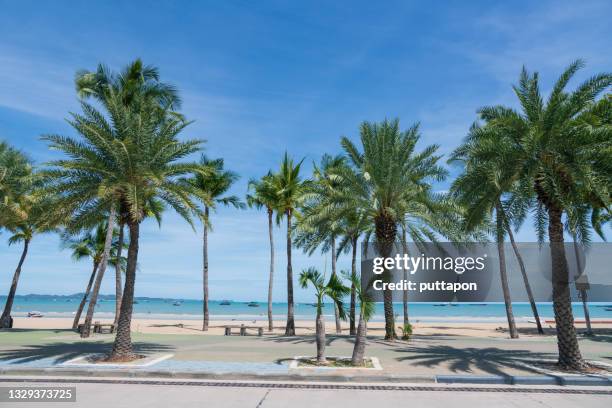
319, 224
335, 290
353, 224
382, 173
480, 189
264, 196
34, 219
134, 84
556, 154
366, 311
15, 179
210, 186
123, 163
290, 194
91, 246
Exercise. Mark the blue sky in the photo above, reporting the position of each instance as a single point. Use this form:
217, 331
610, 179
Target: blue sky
260, 78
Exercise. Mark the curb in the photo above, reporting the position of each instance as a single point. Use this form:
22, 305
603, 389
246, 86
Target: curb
576, 380
526, 379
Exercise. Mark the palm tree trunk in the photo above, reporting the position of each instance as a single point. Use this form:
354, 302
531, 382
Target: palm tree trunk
567, 342
352, 331
122, 347
333, 265
6, 321
534, 308
205, 270
290, 328
320, 334
386, 231
405, 277
101, 269
583, 292
77, 316
271, 279
118, 290
503, 272
360, 343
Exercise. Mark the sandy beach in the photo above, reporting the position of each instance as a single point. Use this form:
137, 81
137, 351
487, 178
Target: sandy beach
303, 327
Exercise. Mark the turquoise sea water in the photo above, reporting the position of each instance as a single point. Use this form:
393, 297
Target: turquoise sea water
62, 306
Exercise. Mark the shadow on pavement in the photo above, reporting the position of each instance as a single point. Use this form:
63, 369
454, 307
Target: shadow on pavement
490, 360
63, 352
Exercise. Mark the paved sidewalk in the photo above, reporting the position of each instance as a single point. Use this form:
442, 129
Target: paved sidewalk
423, 356
104, 395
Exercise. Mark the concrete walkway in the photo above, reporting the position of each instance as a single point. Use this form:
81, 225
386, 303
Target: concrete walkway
136, 395
423, 355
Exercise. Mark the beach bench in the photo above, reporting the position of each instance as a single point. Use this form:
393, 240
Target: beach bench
98, 328
108, 328
242, 329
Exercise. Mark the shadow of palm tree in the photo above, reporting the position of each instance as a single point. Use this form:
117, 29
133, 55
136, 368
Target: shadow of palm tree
600, 338
62, 352
491, 360
301, 339
16, 330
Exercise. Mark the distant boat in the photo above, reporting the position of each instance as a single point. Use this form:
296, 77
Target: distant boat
35, 314
225, 303
176, 304
253, 304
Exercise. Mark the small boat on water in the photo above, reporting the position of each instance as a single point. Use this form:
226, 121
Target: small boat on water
225, 303
176, 304
35, 314
253, 304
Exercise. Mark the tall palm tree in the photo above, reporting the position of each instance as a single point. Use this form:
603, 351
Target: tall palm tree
124, 162
320, 222
366, 311
335, 290
264, 196
562, 160
290, 194
90, 245
135, 83
480, 189
353, 224
382, 173
210, 186
34, 218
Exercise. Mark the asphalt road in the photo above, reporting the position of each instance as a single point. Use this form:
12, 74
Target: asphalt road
136, 395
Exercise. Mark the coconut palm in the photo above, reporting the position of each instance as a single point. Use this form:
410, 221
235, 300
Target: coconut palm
319, 224
556, 154
122, 164
210, 186
34, 218
366, 311
90, 245
382, 173
264, 196
290, 194
335, 290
